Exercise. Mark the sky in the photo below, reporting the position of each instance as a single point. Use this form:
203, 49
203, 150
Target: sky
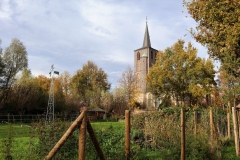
70, 33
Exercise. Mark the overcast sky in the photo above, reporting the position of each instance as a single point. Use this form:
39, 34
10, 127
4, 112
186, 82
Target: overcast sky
68, 33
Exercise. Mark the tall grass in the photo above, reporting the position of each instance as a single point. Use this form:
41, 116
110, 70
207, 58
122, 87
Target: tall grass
162, 131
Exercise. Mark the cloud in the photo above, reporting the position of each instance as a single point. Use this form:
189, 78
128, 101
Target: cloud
69, 33
5, 10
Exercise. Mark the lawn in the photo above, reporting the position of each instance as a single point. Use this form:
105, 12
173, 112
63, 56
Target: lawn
18, 130
104, 125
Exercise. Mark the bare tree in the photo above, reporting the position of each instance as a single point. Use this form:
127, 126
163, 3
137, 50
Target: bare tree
106, 100
129, 85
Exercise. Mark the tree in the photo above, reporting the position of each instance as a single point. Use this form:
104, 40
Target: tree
59, 97
119, 101
106, 101
26, 95
44, 86
1, 64
218, 29
179, 73
229, 87
23, 94
129, 85
1, 73
65, 80
15, 60
88, 83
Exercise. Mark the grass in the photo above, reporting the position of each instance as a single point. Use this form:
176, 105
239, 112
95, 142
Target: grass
21, 140
229, 153
21, 136
23, 130
18, 130
104, 125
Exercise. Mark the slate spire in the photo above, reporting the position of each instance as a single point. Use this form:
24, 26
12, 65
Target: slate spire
146, 41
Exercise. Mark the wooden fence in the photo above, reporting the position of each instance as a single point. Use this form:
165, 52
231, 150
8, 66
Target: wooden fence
85, 125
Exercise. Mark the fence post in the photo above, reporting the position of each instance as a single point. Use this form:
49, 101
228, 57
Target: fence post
8, 118
182, 134
229, 120
236, 135
82, 138
127, 134
60, 143
94, 140
211, 129
195, 123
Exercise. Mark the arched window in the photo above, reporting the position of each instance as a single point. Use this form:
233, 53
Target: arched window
138, 56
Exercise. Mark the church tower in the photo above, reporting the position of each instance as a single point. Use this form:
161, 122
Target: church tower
144, 58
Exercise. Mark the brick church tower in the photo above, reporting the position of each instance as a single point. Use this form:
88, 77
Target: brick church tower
144, 58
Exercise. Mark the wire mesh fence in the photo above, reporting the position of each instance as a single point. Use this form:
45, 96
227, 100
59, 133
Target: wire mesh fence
153, 135
162, 132
26, 119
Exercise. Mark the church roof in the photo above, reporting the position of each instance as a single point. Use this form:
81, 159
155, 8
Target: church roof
146, 41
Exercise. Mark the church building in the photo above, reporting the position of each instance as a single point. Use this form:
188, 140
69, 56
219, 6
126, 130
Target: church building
144, 58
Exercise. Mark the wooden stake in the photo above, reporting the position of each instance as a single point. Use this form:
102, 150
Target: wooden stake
235, 126
229, 120
211, 130
195, 122
95, 141
229, 124
60, 143
82, 138
182, 134
127, 135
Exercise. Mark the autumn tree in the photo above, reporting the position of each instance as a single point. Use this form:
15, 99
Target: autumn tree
59, 98
44, 84
65, 79
179, 73
119, 101
88, 83
69, 98
229, 87
26, 95
106, 101
129, 85
21, 91
15, 59
218, 29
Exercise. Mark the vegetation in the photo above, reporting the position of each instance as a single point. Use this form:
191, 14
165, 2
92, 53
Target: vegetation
179, 73
13, 60
153, 136
218, 29
88, 83
128, 85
